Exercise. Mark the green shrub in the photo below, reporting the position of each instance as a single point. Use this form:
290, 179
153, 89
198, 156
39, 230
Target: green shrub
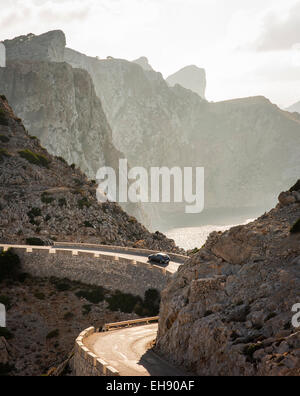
6, 369
249, 350
9, 265
34, 212
3, 97
3, 118
69, 316
87, 224
34, 158
73, 166
4, 332
151, 302
39, 296
84, 202
46, 198
86, 309
61, 159
62, 202
34, 242
6, 301
52, 334
271, 316
4, 139
47, 218
295, 229
193, 251
123, 302
94, 295
4, 154
62, 286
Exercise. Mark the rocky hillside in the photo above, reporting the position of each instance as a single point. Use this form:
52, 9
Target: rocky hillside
228, 311
43, 197
190, 77
154, 124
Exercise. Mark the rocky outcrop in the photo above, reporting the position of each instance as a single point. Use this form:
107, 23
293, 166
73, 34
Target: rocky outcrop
144, 63
190, 77
58, 105
46, 47
228, 311
43, 197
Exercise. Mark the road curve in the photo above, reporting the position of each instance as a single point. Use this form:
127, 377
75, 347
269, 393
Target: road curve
172, 266
128, 351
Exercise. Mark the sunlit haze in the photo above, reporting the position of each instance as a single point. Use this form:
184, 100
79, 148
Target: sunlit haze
247, 47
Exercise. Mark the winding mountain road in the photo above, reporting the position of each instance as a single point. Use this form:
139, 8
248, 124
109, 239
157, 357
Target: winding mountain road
129, 351
141, 257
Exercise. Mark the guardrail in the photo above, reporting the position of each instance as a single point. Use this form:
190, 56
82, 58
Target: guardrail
86, 363
129, 323
96, 254
174, 256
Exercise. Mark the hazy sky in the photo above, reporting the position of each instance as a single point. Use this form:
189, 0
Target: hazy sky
248, 47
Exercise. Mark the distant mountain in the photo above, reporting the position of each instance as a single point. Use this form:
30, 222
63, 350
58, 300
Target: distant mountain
294, 108
190, 77
144, 63
238, 142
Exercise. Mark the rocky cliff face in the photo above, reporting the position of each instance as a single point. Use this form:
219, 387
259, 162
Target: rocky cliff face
190, 77
43, 197
46, 47
228, 311
154, 124
236, 141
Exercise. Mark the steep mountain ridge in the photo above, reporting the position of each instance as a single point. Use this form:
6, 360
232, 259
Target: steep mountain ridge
43, 197
237, 141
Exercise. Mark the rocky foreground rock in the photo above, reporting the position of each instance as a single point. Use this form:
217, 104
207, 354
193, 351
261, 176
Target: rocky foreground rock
228, 311
43, 197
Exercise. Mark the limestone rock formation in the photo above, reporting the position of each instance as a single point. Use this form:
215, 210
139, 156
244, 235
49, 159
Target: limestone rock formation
228, 310
190, 77
59, 106
46, 47
238, 142
43, 197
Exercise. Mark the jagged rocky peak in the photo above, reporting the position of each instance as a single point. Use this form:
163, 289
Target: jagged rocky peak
228, 310
144, 63
190, 77
49, 46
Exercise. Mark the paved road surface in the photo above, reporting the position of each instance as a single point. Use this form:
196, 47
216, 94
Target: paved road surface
172, 266
127, 350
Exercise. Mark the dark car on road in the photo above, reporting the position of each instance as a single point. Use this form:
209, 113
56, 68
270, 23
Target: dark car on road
160, 258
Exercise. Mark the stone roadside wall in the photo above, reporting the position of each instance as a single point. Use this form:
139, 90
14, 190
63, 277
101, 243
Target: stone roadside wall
86, 363
178, 258
111, 272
